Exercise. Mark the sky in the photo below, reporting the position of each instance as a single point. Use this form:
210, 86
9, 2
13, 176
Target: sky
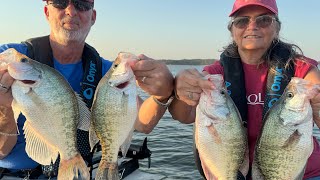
164, 29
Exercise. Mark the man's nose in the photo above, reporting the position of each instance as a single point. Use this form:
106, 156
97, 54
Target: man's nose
71, 10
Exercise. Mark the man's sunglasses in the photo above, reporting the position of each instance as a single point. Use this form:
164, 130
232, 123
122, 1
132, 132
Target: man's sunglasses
80, 5
262, 21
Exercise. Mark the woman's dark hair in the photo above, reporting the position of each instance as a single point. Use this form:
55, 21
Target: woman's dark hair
231, 49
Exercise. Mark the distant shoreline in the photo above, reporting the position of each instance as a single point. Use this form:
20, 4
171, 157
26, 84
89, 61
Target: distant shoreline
188, 61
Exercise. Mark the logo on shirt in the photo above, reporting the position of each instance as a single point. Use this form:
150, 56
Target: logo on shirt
88, 92
276, 87
254, 99
227, 85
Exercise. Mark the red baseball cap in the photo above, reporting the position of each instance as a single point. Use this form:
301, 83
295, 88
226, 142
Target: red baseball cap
86, 0
269, 4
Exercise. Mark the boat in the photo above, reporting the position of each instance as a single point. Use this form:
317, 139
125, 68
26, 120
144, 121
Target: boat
128, 166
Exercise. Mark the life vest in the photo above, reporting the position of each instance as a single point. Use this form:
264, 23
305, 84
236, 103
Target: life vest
278, 78
40, 50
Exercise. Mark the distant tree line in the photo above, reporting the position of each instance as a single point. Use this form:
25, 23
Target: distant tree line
188, 61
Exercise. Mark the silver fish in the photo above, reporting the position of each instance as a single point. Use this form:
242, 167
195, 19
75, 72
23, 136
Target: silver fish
51, 109
220, 136
114, 112
285, 142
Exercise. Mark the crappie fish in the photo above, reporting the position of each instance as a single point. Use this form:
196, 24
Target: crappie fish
285, 142
220, 137
51, 109
114, 112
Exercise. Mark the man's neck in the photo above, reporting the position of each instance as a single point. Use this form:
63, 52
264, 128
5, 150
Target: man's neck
66, 54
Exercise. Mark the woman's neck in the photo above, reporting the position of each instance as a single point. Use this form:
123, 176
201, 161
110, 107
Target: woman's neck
251, 57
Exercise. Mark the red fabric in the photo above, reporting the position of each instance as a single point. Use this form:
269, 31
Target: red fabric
269, 4
87, 0
255, 83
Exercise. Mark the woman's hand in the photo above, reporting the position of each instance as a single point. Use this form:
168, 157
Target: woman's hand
189, 84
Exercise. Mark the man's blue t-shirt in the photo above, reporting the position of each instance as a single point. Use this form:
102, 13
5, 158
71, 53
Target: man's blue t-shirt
18, 158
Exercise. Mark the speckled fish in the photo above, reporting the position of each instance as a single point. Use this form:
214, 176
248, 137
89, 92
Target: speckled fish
51, 109
285, 142
114, 112
220, 136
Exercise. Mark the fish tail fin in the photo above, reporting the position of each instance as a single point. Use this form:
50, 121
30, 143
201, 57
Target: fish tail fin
73, 168
107, 171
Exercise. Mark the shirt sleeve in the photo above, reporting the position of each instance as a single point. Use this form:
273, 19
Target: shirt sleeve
302, 67
21, 48
106, 64
214, 68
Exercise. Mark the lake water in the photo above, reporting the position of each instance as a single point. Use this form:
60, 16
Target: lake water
171, 144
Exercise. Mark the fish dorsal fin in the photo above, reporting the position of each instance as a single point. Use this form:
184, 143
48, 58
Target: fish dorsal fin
84, 114
206, 170
16, 112
3, 111
93, 139
15, 109
301, 174
256, 171
126, 144
37, 148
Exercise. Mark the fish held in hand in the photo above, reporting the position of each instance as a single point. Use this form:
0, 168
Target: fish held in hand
286, 142
220, 137
114, 112
51, 109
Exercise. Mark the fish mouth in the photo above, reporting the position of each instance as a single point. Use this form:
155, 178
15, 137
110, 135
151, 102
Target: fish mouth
122, 85
29, 82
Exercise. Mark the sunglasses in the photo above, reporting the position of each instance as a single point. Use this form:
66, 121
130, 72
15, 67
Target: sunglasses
80, 5
262, 21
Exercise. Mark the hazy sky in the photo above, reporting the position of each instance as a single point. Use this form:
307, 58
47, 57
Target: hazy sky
163, 29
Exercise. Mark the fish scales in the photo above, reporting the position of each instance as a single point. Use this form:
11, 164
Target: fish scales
285, 142
51, 109
219, 133
114, 112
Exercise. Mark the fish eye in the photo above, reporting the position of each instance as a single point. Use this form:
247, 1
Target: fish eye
115, 66
222, 92
290, 95
24, 60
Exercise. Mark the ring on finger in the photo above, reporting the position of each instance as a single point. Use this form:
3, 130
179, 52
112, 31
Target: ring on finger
4, 87
190, 95
143, 79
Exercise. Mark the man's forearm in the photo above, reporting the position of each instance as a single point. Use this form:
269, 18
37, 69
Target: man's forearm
149, 115
8, 128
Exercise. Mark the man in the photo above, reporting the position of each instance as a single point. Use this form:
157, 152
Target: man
65, 50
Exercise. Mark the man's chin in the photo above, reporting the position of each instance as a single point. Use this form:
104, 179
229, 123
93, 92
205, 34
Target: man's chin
68, 40
71, 27
69, 36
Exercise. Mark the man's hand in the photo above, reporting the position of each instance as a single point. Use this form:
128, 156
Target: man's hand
153, 77
189, 84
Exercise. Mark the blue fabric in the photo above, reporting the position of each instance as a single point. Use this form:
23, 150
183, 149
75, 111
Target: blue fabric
314, 178
18, 158
71, 73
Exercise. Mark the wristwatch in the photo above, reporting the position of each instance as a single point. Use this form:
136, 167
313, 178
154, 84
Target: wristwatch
163, 104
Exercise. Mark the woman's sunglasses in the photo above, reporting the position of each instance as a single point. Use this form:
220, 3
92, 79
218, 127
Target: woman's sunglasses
262, 21
80, 5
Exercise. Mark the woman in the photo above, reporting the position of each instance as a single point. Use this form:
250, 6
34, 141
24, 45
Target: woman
255, 55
